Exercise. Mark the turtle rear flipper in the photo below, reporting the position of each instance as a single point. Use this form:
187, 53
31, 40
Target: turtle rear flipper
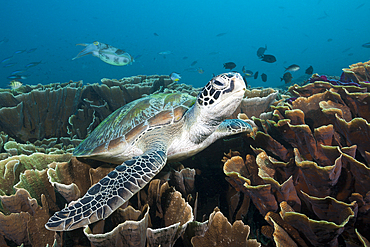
110, 193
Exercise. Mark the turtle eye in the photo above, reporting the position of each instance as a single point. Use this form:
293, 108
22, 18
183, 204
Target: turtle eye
218, 83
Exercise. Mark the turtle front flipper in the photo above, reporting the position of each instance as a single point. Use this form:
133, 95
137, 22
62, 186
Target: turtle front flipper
234, 126
111, 192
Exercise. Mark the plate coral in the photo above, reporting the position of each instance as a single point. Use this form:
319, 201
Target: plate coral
301, 179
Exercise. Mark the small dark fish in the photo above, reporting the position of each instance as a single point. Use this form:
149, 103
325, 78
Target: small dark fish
229, 65
330, 40
304, 50
194, 63
33, 64
366, 45
269, 58
6, 59
220, 34
247, 72
323, 17
359, 6
309, 70
185, 58
19, 51
213, 53
9, 65
264, 77
155, 34
191, 69
293, 67
255, 75
347, 49
261, 51
287, 77
31, 50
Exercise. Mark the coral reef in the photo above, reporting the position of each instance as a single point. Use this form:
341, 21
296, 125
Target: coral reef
256, 102
303, 179
72, 109
310, 169
221, 233
358, 72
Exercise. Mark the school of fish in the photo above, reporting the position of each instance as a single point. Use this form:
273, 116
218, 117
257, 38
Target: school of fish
118, 57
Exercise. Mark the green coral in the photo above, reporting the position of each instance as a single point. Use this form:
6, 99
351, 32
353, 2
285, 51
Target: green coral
12, 167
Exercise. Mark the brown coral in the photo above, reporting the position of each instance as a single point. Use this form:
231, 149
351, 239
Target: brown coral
319, 145
358, 72
306, 171
221, 233
25, 223
132, 232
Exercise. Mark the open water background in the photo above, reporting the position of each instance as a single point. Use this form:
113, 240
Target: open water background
325, 34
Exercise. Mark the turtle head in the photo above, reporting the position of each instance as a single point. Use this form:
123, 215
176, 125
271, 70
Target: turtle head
221, 96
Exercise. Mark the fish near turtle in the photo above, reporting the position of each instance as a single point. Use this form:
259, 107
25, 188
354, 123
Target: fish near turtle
261, 51
268, 58
229, 65
293, 68
264, 77
143, 135
106, 53
309, 70
287, 77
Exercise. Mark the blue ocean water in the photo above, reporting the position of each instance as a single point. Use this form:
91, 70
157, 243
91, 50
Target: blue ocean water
325, 34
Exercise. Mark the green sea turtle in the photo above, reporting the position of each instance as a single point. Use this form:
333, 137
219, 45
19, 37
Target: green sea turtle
143, 135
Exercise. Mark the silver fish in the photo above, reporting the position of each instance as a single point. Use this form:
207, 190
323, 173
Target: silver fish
33, 64
9, 65
293, 67
6, 59
16, 72
31, 50
19, 51
175, 76
15, 84
4, 40
106, 53
165, 53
